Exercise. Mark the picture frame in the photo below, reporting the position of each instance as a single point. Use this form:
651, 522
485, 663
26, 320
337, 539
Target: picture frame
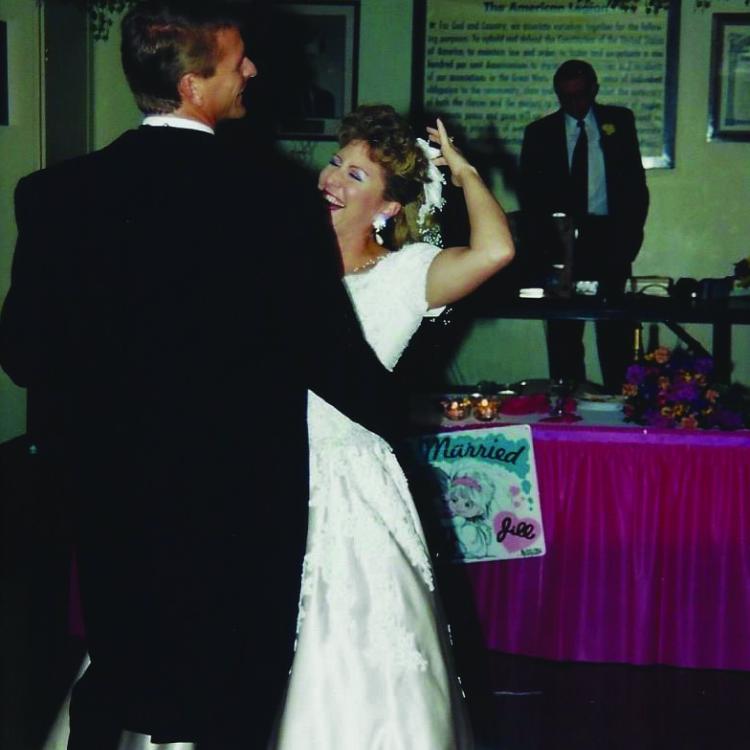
318, 67
4, 74
487, 67
729, 90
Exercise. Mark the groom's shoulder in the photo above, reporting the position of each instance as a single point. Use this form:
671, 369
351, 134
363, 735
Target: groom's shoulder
148, 145
77, 167
152, 153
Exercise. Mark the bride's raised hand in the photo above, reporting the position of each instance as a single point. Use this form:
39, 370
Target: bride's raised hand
449, 156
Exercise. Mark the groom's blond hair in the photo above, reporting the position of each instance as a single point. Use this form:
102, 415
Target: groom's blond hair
162, 40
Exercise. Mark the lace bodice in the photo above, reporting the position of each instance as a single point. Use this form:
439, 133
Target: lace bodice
390, 299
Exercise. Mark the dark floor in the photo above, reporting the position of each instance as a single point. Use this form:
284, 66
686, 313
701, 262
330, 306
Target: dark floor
537, 706
541, 705
531, 704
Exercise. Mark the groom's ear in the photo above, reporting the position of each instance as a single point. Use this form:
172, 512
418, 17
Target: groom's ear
189, 88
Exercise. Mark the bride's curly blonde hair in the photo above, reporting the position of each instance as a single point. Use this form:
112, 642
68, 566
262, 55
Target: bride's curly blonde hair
393, 146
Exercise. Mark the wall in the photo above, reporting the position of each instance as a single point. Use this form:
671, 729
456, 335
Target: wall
113, 108
20, 153
67, 113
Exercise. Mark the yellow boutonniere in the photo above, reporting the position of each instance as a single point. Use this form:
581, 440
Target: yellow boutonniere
608, 128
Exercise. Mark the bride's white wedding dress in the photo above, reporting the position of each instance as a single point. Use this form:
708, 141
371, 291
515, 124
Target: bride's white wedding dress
372, 668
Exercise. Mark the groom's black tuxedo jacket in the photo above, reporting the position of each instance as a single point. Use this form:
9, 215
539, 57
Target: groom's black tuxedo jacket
546, 184
170, 305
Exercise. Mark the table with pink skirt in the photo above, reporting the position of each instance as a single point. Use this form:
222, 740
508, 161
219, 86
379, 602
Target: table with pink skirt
648, 548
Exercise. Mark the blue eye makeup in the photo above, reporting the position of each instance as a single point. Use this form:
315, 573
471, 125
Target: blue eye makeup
360, 175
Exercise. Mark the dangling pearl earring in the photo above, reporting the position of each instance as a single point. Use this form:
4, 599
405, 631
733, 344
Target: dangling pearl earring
378, 225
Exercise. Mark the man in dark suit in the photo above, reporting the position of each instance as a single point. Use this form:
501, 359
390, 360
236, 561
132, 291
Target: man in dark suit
584, 161
170, 306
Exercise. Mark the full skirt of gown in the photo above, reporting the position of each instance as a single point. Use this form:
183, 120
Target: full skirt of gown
372, 668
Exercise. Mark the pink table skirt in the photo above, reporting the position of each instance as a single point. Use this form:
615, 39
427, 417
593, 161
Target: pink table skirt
648, 552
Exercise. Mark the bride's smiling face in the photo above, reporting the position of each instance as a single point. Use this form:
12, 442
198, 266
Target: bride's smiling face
353, 186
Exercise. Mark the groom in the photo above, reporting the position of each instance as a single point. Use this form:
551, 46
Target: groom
170, 306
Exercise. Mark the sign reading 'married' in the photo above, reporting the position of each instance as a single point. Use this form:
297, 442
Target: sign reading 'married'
485, 484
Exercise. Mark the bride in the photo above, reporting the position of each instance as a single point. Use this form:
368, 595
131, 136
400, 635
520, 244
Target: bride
372, 669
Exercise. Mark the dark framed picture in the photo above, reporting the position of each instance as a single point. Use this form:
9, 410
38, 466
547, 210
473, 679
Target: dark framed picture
317, 68
488, 67
3, 73
729, 97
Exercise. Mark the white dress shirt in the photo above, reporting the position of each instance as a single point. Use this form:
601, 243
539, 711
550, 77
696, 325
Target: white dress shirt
175, 121
596, 173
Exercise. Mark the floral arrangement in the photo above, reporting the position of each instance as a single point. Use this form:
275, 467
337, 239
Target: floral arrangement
674, 389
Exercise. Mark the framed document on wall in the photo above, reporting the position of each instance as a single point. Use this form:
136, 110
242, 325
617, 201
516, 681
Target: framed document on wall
315, 67
488, 66
729, 99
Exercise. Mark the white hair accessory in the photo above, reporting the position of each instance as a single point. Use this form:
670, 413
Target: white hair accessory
433, 188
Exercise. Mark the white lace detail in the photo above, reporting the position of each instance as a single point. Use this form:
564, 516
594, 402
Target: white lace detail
390, 299
363, 523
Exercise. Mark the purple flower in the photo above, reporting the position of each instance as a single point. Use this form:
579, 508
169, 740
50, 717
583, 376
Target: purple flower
684, 391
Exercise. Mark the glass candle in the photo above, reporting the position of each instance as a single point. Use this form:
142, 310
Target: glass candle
456, 408
485, 409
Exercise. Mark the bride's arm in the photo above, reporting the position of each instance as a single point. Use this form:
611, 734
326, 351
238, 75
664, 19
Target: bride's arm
457, 271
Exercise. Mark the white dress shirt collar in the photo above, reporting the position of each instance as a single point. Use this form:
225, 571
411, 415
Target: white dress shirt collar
592, 127
174, 121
